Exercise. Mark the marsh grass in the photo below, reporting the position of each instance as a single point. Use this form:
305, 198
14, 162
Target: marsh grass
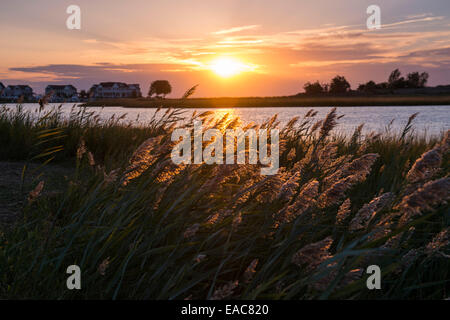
141, 227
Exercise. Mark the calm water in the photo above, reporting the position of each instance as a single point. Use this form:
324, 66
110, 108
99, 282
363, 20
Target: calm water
431, 120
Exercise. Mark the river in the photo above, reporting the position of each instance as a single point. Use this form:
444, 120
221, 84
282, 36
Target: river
431, 120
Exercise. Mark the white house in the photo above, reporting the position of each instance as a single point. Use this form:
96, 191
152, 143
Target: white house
110, 90
61, 93
15, 92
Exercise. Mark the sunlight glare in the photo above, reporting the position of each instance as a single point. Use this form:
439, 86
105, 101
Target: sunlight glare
227, 67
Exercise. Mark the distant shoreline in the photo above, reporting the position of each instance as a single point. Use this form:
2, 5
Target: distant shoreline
274, 102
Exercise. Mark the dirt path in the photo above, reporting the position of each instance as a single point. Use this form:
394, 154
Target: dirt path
12, 198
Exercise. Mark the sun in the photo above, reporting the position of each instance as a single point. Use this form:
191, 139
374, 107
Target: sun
228, 67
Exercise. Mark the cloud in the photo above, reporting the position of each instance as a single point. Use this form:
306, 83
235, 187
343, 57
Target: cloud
287, 55
426, 19
236, 29
84, 76
441, 52
95, 70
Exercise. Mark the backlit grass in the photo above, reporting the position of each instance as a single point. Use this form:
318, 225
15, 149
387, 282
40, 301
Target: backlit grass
141, 227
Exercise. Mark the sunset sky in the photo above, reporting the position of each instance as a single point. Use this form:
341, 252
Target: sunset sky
229, 48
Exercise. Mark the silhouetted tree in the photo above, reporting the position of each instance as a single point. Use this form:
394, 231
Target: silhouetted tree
416, 80
83, 94
382, 85
339, 85
159, 87
314, 89
369, 87
394, 76
396, 81
423, 79
413, 80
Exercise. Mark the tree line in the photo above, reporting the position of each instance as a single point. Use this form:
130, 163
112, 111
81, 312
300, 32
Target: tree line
340, 86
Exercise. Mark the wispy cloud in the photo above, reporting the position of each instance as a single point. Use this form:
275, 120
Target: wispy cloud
415, 20
236, 29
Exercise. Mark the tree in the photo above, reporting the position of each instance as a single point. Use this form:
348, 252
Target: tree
159, 87
396, 81
423, 79
339, 85
314, 89
369, 87
382, 85
394, 76
413, 80
83, 94
416, 80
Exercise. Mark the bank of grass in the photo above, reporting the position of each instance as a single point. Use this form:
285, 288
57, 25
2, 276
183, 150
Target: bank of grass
271, 102
141, 227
